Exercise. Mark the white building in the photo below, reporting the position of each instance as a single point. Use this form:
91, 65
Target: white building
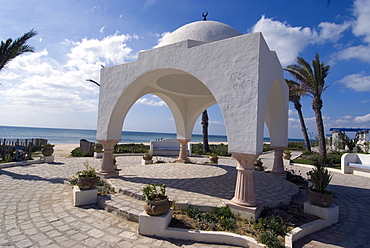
198, 65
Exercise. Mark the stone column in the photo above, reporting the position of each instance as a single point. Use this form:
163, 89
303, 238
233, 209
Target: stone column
183, 157
278, 167
244, 190
107, 169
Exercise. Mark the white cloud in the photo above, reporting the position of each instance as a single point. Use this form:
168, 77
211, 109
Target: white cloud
216, 122
289, 41
162, 38
362, 25
362, 119
149, 3
358, 82
110, 50
292, 112
153, 103
35, 81
332, 31
361, 52
361, 28
102, 30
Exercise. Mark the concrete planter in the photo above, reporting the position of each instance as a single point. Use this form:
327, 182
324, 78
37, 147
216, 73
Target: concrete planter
47, 150
87, 182
157, 207
319, 199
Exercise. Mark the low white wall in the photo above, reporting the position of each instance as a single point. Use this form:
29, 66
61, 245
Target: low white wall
355, 158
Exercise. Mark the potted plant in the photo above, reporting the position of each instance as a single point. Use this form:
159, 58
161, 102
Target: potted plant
213, 158
317, 193
258, 165
47, 150
156, 200
287, 154
98, 148
87, 178
147, 159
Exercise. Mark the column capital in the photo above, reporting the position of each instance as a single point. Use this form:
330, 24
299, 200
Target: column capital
108, 144
245, 161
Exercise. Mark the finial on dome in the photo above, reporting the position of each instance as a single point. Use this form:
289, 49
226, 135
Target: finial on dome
204, 14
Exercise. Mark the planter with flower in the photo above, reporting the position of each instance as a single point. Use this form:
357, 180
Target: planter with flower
47, 152
147, 159
156, 200
317, 193
87, 178
213, 158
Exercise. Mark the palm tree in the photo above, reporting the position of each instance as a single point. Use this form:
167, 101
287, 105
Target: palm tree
205, 131
295, 93
350, 143
312, 81
11, 49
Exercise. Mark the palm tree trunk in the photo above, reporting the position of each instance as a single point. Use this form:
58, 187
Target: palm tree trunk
298, 107
316, 106
205, 131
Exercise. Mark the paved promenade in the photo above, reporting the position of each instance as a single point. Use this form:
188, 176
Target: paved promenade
36, 208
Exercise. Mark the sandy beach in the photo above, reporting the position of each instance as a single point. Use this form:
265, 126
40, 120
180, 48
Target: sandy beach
64, 150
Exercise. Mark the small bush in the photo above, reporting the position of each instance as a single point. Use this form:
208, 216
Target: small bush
274, 224
77, 153
131, 148
193, 212
219, 150
296, 146
270, 239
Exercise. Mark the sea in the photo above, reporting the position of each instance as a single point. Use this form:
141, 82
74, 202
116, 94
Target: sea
73, 136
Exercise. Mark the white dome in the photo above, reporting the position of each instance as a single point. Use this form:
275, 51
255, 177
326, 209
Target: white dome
206, 31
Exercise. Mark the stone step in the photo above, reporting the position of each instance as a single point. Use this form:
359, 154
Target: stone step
122, 205
134, 193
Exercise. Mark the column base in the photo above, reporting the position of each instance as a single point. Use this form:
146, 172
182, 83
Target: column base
246, 211
180, 160
107, 174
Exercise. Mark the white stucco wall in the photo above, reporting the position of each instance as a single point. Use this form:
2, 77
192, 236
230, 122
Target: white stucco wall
239, 73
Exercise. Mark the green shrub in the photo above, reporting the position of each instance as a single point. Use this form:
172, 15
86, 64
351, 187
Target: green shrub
270, 239
131, 148
296, 145
193, 212
274, 224
77, 153
267, 147
219, 150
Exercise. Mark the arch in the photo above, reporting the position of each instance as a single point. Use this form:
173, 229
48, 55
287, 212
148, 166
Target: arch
185, 105
276, 117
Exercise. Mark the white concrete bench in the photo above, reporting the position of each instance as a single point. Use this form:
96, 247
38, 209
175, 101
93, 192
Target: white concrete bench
167, 147
355, 163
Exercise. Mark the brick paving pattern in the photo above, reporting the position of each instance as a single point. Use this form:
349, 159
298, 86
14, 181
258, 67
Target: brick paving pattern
36, 205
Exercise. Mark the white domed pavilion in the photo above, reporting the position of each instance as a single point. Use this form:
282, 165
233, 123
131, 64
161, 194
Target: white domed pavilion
196, 66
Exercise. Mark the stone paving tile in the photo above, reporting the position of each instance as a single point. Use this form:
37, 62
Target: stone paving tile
36, 211
35, 198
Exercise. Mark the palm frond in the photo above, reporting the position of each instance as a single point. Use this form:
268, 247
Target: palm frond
11, 49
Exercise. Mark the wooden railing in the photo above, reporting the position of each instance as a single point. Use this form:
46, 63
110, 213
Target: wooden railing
19, 149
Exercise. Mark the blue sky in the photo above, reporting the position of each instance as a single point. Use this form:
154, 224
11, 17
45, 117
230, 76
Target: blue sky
48, 88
